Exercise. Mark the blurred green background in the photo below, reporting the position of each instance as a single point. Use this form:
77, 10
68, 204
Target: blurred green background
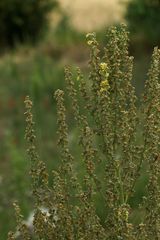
38, 38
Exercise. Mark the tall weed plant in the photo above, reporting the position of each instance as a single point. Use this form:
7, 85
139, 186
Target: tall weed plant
117, 137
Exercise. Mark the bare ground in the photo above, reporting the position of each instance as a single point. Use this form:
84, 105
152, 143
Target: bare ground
88, 15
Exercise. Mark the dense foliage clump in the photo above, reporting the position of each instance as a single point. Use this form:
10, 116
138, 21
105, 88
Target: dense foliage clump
116, 137
143, 19
22, 21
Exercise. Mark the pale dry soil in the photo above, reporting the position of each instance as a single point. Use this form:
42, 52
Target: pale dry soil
89, 15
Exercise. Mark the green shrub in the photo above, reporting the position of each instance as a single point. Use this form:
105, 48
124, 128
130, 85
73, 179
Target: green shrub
143, 18
22, 21
116, 137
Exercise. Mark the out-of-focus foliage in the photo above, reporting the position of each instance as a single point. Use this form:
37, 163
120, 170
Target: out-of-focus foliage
22, 21
143, 17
